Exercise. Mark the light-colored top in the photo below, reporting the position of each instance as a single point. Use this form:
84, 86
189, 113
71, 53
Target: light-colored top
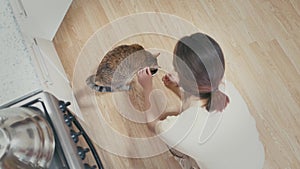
227, 140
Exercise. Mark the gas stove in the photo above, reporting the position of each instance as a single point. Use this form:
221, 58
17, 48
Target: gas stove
69, 154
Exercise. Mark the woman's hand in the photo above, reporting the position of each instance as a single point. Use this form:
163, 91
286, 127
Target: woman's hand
170, 80
145, 78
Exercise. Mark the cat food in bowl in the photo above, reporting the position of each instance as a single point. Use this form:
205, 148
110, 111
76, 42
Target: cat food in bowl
153, 71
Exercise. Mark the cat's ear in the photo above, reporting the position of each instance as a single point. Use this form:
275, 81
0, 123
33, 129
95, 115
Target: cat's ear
155, 55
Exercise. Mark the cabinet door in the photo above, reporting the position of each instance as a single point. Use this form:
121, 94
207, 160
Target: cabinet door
52, 74
47, 49
41, 18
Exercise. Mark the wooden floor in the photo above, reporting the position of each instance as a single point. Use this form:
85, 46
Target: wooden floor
260, 40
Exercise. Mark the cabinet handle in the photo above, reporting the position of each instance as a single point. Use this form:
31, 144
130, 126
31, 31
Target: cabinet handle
22, 9
41, 63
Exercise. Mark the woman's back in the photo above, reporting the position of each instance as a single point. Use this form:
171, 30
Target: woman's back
227, 140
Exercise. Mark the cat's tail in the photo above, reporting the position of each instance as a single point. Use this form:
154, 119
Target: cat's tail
90, 81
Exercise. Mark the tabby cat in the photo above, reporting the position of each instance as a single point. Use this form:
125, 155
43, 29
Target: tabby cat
118, 67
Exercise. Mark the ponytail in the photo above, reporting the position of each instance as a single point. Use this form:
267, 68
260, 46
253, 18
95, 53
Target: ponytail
217, 101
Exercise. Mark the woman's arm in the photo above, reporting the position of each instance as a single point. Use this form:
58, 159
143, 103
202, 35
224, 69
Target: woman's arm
151, 119
145, 80
153, 103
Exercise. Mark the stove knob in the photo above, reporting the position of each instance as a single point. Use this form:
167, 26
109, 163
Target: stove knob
75, 135
87, 166
63, 105
3, 119
82, 151
68, 119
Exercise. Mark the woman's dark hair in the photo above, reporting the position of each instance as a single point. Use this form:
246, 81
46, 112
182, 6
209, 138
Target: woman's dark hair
199, 61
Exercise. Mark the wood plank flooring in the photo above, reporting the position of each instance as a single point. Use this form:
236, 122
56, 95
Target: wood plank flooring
260, 40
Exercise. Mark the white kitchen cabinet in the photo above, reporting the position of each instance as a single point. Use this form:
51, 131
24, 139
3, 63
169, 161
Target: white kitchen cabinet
33, 24
47, 49
40, 18
51, 72
30, 65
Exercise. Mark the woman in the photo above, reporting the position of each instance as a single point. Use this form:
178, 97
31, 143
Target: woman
215, 131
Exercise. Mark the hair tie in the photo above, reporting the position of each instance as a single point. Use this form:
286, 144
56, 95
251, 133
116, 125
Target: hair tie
204, 89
